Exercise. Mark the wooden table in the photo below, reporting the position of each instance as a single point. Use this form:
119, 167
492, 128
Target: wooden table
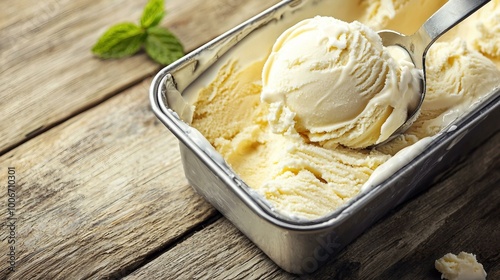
98, 188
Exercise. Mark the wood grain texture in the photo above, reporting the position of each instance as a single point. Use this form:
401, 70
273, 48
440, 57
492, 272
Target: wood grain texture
452, 216
100, 193
48, 73
219, 251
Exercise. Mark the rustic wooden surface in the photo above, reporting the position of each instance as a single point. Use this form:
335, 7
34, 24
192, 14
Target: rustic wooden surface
101, 191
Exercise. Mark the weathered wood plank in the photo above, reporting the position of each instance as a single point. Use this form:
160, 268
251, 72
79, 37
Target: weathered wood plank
48, 73
219, 251
460, 213
99, 193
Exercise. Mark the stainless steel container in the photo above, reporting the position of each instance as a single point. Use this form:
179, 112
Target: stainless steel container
297, 247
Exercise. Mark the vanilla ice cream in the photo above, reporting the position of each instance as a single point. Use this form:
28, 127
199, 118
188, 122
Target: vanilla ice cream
334, 82
299, 179
487, 39
483, 31
295, 170
457, 78
379, 13
404, 16
463, 266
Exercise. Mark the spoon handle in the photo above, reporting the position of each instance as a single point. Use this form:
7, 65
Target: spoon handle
449, 15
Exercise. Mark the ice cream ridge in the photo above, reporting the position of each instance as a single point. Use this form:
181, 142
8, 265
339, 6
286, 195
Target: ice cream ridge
295, 125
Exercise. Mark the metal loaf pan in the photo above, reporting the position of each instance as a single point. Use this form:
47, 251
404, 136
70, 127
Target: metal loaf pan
297, 246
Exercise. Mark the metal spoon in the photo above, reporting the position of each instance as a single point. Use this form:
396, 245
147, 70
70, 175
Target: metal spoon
417, 44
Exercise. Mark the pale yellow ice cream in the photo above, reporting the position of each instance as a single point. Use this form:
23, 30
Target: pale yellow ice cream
487, 39
380, 13
335, 83
482, 31
297, 178
463, 266
404, 16
457, 77
303, 179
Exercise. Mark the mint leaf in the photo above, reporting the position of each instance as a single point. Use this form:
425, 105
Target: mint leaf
153, 13
126, 39
162, 46
123, 39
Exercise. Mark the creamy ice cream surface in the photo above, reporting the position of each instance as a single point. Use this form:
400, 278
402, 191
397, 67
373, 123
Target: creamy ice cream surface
334, 82
298, 179
404, 16
463, 266
293, 164
457, 78
487, 39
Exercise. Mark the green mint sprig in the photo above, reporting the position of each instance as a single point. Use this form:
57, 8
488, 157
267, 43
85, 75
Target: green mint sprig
126, 39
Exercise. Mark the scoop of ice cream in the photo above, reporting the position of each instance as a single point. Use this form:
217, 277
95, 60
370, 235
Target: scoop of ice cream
335, 83
462, 266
